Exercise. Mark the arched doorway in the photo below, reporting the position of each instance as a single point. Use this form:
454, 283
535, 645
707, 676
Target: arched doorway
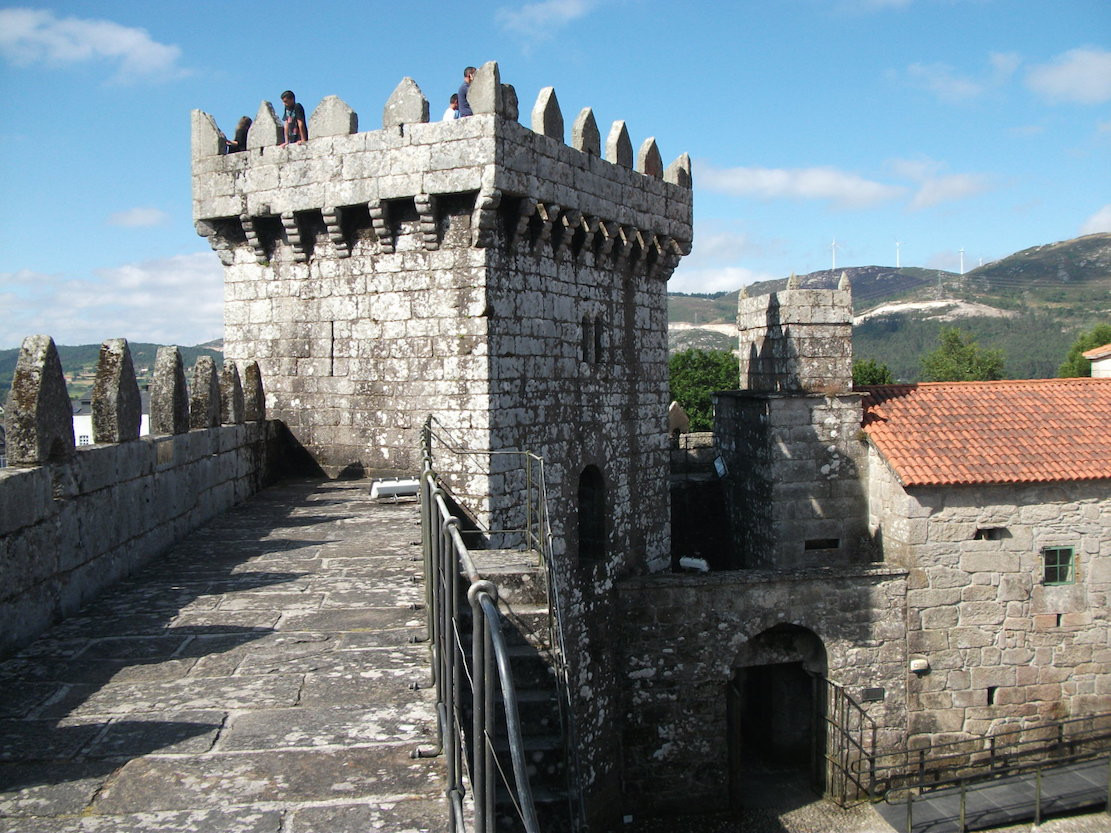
773, 701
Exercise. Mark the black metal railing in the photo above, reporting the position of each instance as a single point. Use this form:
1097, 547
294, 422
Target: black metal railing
450, 569
850, 738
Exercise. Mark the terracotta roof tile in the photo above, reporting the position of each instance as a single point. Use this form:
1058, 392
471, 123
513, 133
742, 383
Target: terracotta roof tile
1015, 431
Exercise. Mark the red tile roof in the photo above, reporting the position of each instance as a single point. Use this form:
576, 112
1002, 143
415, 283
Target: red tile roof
1017, 431
1097, 352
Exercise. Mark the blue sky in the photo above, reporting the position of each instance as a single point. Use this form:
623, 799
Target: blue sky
938, 124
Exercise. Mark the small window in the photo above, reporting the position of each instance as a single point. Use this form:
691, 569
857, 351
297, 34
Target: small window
1059, 565
990, 533
83, 439
822, 544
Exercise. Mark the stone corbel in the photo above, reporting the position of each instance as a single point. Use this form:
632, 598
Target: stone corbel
293, 236
524, 217
569, 223
426, 210
548, 215
333, 222
253, 239
484, 221
379, 218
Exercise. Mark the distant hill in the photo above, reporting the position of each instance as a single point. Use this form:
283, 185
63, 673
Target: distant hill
79, 363
1031, 304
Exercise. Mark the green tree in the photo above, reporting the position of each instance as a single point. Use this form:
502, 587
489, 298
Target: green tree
1075, 364
870, 372
959, 359
695, 374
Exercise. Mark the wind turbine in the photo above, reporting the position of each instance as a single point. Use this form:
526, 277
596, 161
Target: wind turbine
833, 250
962, 260
898, 262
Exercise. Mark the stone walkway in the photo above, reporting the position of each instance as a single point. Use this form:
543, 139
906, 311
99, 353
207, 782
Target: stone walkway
256, 679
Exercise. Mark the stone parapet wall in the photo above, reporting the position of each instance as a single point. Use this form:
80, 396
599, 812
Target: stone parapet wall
693, 454
682, 637
797, 340
979, 611
73, 520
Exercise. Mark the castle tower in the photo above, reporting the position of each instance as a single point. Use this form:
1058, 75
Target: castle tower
509, 284
790, 436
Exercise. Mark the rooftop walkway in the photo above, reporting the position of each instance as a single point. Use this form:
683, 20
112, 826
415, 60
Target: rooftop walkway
257, 678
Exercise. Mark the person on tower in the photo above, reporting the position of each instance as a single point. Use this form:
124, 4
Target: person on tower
296, 130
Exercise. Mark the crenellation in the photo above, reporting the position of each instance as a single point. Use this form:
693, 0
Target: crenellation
117, 411
649, 162
332, 117
266, 130
38, 415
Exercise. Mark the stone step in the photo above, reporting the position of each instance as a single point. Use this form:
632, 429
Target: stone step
519, 575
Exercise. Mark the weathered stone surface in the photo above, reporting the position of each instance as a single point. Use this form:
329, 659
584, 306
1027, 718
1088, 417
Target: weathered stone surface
619, 147
485, 93
333, 117
204, 394
117, 409
649, 161
165, 725
266, 130
406, 105
169, 396
547, 119
584, 133
509, 102
679, 173
38, 415
207, 139
254, 397
231, 395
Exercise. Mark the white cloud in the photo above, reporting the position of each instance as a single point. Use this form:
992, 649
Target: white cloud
31, 36
1098, 222
1081, 76
174, 300
948, 85
139, 217
934, 186
540, 20
721, 279
841, 188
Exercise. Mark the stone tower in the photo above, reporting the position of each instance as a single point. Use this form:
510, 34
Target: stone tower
791, 435
507, 282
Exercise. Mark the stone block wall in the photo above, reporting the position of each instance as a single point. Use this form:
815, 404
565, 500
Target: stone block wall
682, 638
511, 284
75, 520
796, 484
1004, 649
797, 340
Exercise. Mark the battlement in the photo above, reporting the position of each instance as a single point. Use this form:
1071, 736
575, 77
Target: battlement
74, 519
347, 183
797, 340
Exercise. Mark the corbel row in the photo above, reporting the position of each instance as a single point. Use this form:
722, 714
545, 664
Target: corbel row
627, 246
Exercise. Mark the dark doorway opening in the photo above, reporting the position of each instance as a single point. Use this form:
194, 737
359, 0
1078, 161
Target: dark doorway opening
776, 736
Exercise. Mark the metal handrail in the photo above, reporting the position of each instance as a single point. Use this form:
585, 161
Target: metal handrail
850, 734
985, 757
448, 563
536, 535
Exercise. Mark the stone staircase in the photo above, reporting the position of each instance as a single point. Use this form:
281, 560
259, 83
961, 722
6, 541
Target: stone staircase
523, 601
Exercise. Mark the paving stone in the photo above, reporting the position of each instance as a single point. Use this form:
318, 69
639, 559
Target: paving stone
406, 816
242, 683
217, 780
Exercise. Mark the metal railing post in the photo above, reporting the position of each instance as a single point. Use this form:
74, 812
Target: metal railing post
479, 770
1037, 796
964, 805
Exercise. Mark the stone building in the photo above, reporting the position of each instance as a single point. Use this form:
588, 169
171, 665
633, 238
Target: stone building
507, 283
513, 286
